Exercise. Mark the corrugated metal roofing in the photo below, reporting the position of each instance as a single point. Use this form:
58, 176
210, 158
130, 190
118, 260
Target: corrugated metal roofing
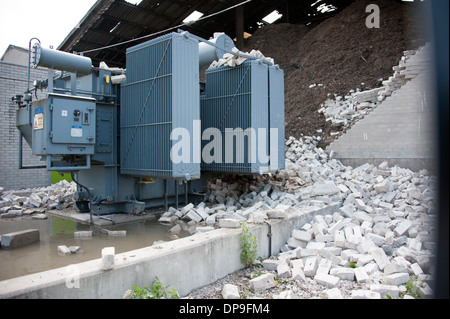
114, 21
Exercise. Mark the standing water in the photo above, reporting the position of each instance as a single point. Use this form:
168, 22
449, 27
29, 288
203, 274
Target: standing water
55, 231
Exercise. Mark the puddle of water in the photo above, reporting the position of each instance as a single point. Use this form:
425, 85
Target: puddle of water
56, 231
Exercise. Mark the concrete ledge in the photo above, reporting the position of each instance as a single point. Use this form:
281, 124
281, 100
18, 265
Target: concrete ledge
414, 164
184, 264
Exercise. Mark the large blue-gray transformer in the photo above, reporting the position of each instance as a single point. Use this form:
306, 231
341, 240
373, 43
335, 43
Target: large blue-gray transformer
146, 135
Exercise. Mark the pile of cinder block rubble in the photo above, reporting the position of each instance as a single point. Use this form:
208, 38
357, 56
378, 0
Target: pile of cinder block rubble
36, 201
383, 235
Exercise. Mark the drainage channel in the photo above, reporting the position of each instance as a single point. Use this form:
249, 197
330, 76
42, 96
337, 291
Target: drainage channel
57, 230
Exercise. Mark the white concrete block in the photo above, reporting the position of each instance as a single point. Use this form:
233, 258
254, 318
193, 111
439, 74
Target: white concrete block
262, 282
319, 189
339, 239
416, 269
313, 245
324, 266
414, 244
344, 273
383, 187
297, 272
333, 293
365, 294
83, 233
396, 279
365, 246
306, 253
201, 211
186, 208
328, 281
302, 235
361, 275
283, 270
230, 291
380, 257
385, 290
108, 258
365, 259
371, 268
311, 264
210, 220
362, 216
270, 264
229, 223
194, 216
63, 250
402, 227
394, 267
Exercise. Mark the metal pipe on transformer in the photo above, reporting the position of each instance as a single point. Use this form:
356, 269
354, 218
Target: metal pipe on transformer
60, 60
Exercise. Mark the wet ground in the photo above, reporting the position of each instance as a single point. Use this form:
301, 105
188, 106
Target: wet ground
141, 231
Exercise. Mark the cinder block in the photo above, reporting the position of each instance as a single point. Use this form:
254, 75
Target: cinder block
229, 223
302, 235
380, 257
333, 293
19, 239
327, 280
63, 250
365, 294
396, 279
311, 265
361, 275
383, 290
270, 264
402, 227
83, 233
262, 282
230, 291
344, 273
108, 258
283, 270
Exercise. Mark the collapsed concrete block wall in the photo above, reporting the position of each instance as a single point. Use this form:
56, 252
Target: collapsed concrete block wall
13, 81
400, 130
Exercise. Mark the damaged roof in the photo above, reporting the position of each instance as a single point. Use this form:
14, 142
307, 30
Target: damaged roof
111, 22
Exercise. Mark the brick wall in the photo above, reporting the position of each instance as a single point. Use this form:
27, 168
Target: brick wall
13, 81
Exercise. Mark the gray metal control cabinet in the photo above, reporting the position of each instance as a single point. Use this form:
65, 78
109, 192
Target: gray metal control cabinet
63, 125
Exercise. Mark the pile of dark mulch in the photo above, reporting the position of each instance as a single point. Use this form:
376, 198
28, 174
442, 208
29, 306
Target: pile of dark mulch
340, 53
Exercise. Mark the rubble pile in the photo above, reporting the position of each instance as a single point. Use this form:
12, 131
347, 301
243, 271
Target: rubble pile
233, 60
343, 111
381, 237
29, 201
312, 178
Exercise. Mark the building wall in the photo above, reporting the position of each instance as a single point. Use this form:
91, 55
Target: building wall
13, 81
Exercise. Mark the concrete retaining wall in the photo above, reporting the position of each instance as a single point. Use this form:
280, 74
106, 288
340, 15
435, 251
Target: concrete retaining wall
184, 264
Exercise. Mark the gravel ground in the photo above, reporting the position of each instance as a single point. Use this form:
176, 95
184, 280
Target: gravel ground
241, 278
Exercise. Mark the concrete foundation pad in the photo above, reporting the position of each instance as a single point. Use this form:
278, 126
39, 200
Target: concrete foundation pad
184, 264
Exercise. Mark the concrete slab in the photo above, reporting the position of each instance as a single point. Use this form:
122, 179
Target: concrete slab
19, 238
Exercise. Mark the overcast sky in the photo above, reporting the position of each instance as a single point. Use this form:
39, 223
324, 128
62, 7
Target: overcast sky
48, 20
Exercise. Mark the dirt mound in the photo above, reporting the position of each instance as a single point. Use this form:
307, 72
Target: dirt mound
340, 54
